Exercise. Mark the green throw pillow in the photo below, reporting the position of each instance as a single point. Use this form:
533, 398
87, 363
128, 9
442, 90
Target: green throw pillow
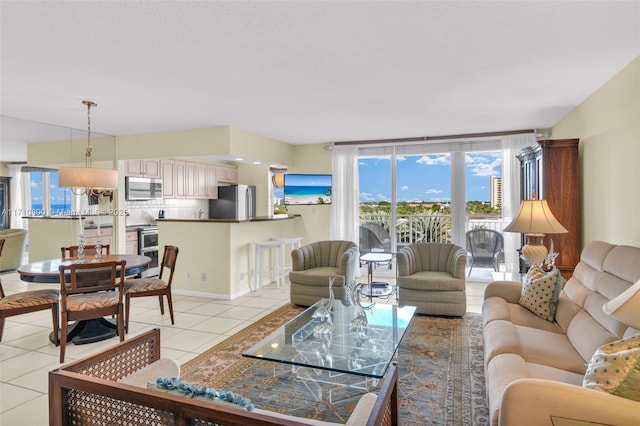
615, 368
178, 387
540, 292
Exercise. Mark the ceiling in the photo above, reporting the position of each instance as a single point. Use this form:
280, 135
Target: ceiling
305, 71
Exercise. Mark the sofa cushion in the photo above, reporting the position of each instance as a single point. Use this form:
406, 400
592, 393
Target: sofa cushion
505, 369
540, 292
537, 346
176, 386
164, 367
431, 281
615, 368
497, 308
318, 276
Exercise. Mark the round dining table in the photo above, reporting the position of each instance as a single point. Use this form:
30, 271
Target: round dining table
86, 331
46, 271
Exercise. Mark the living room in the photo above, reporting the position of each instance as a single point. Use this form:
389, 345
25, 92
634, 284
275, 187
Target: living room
603, 114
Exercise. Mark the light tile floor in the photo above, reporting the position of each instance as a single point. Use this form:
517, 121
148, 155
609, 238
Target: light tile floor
26, 355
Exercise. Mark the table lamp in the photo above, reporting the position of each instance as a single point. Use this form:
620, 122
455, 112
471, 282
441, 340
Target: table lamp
535, 220
626, 306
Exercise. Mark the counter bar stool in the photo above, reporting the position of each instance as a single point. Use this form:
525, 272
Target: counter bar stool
277, 265
292, 243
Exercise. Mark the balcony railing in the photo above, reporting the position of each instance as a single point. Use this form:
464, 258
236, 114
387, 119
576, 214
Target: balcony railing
429, 227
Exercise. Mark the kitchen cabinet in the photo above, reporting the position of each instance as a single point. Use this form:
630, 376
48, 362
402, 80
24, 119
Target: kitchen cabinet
212, 181
184, 179
206, 182
131, 242
168, 177
226, 174
106, 236
149, 168
178, 179
190, 179
549, 171
201, 181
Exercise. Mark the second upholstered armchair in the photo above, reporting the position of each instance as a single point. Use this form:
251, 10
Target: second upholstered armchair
315, 263
431, 277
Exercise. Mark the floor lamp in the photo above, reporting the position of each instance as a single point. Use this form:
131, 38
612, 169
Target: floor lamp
535, 220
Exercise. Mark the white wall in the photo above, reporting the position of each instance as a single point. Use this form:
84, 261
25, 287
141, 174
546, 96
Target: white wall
608, 125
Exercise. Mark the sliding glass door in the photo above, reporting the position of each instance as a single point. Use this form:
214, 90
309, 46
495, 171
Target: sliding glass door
429, 192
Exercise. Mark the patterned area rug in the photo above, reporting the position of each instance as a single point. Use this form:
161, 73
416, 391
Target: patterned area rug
441, 374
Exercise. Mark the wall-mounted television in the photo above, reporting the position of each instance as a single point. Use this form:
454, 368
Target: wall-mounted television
301, 189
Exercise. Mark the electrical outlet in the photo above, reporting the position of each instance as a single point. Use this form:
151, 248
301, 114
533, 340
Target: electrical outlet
203, 277
188, 275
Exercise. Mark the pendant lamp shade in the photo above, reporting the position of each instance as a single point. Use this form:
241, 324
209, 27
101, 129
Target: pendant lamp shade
88, 177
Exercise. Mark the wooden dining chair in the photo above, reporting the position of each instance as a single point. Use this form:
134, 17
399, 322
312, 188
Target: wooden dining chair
89, 250
29, 301
94, 291
153, 286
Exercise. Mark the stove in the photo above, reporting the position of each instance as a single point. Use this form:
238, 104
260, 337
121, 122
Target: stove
148, 246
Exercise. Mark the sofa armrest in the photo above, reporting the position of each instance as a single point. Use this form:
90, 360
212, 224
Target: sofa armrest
347, 264
120, 360
403, 263
541, 401
510, 291
297, 260
458, 264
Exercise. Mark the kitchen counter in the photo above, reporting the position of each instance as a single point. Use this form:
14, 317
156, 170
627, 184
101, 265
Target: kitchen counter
255, 219
216, 255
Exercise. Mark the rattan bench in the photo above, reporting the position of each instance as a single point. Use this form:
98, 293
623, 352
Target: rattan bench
86, 392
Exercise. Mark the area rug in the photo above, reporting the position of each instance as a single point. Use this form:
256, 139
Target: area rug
441, 376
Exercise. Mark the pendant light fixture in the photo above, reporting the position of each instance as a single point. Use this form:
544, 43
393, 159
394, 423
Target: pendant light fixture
87, 180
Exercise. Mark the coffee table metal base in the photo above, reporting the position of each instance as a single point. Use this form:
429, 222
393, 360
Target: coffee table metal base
313, 379
377, 289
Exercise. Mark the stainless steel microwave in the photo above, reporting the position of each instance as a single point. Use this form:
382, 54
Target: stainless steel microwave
139, 188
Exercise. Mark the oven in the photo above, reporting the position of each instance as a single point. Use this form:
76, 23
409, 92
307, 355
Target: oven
148, 246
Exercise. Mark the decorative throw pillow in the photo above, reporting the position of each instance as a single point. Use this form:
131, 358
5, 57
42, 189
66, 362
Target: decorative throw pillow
615, 368
178, 387
540, 292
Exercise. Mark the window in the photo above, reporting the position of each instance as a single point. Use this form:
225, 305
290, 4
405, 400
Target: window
45, 196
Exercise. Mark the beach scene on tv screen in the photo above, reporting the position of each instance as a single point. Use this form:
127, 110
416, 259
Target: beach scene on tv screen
307, 189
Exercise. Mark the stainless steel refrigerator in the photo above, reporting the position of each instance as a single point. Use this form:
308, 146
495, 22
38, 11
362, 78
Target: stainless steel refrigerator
234, 202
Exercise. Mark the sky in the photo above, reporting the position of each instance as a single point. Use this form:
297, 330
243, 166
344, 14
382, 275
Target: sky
427, 177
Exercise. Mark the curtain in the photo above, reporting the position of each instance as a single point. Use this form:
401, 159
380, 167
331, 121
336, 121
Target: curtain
511, 145
345, 217
16, 195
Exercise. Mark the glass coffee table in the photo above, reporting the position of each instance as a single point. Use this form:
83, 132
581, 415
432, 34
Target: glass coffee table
356, 353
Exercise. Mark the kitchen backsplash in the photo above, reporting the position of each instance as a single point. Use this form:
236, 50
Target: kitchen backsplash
146, 212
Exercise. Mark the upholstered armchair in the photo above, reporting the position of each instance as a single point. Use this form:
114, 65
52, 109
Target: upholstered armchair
431, 277
14, 245
313, 264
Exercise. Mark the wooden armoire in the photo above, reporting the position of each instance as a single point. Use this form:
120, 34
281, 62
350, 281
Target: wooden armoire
550, 171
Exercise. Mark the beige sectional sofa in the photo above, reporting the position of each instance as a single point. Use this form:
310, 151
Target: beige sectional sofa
534, 368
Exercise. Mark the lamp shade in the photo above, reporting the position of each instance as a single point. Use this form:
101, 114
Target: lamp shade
535, 217
626, 307
87, 177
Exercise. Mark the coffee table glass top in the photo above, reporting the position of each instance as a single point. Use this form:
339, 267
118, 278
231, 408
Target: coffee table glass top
363, 342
